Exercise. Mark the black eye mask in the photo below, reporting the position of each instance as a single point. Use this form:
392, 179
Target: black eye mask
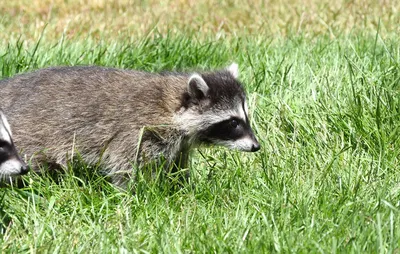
231, 129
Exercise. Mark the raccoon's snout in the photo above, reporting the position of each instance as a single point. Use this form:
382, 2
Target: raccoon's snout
13, 167
24, 169
256, 146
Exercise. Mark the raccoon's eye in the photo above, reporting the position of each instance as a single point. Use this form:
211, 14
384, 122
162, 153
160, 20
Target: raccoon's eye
234, 123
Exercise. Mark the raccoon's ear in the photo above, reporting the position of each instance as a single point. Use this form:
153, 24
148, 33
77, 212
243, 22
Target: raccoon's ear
5, 122
233, 69
197, 87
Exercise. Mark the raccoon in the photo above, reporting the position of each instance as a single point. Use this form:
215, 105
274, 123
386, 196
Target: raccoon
120, 118
11, 163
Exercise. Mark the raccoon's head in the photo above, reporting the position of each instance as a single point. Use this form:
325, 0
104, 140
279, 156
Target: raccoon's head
214, 110
11, 163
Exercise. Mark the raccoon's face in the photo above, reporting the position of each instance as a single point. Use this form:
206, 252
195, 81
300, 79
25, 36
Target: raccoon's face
234, 132
217, 111
10, 162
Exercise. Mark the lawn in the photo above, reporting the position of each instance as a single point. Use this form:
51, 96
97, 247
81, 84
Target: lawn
324, 103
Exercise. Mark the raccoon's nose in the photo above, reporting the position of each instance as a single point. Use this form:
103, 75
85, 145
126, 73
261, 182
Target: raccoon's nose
24, 169
255, 147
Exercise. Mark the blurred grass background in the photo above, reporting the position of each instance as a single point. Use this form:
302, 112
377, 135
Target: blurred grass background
110, 20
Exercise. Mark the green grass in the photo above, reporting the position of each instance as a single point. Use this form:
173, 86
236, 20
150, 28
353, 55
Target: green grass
326, 112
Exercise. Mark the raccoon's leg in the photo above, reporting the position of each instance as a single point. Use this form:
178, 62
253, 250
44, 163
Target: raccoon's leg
122, 175
122, 181
180, 167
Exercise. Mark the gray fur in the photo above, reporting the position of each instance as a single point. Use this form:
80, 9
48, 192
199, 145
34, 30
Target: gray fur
109, 113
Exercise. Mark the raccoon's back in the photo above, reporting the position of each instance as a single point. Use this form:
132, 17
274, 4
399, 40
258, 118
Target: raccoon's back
68, 86
51, 107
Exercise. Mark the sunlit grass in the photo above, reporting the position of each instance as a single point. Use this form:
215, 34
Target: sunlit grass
326, 179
